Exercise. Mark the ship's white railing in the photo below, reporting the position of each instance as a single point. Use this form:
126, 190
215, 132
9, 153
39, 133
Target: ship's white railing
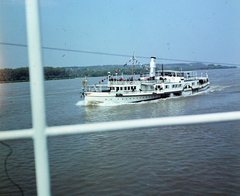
97, 88
41, 131
124, 82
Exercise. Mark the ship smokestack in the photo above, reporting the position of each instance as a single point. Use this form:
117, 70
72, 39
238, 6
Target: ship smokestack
152, 68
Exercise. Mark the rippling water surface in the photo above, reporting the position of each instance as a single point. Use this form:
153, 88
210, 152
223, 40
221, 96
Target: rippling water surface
199, 159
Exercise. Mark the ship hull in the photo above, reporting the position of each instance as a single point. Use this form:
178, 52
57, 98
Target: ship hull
96, 98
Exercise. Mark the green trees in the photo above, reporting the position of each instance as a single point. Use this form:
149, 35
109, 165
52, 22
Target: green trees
10, 75
22, 74
54, 73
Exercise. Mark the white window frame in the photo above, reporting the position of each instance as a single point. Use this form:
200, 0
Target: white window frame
40, 131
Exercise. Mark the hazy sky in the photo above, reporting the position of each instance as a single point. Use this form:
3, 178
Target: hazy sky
198, 30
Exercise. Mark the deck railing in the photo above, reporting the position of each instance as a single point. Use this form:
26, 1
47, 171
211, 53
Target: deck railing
40, 131
124, 82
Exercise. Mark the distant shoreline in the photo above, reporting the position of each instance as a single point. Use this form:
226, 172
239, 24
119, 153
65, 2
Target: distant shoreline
22, 74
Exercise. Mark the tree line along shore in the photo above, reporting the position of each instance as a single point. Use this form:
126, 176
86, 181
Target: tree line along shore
56, 73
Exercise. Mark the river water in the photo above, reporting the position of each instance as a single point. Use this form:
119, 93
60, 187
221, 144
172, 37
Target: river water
201, 159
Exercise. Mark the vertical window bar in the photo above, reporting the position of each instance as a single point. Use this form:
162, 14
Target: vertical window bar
37, 98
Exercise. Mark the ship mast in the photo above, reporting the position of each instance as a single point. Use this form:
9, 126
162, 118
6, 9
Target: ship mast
133, 59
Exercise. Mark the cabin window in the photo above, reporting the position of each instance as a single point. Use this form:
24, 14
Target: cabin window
121, 88
173, 86
129, 88
125, 88
117, 88
193, 84
166, 86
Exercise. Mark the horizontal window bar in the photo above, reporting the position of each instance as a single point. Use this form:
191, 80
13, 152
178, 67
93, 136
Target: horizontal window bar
143, 123
121, 125
16, 134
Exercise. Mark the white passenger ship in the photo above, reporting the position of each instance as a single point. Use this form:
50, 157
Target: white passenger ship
155, 85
